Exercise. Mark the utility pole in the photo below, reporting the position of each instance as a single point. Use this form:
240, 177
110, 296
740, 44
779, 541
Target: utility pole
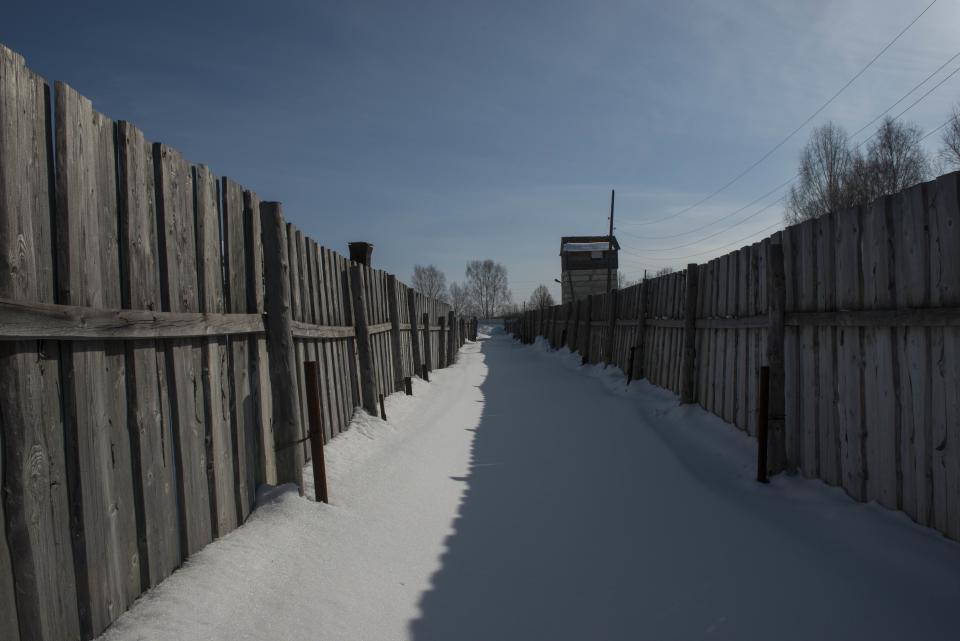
610, 241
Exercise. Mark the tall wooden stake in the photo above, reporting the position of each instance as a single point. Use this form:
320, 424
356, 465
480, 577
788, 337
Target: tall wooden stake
312, 380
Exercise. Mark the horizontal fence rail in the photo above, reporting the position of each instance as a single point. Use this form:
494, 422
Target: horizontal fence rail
155, 322
857, 316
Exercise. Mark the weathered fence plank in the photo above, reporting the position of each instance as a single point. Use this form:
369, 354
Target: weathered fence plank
184, 365
241, 348
368, 379
100, 472
283, 365
36, 560
148, 405
260, 368
850, 354
216, 385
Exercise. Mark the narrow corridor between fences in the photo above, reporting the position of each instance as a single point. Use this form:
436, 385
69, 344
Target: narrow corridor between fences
520, 495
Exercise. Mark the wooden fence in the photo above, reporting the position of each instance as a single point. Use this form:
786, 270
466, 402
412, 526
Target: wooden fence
856, 313
154, 323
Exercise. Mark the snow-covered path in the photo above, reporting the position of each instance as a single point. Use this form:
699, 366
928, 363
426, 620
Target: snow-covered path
520, 496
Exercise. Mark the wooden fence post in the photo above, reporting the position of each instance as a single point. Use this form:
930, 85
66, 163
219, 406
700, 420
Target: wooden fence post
776, 293
441, 344
427, 347
312, 379
393, 307
415, 332
368, 382
283, 373
451, 338
689, 372
612, 328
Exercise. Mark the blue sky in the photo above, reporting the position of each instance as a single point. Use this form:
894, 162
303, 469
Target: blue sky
447, 131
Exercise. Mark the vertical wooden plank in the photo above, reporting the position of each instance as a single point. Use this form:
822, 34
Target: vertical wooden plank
395, 335
427, 343
776, 458
441, 342
36, 560
827, 419
793, 423
707, 312
731, 382
881, 372
911, 229
241, 396
368, 383
266, 460
451, 338
216, 385
350, 353
740, 392
688, 383
944, 220
338, 348
184, 362
850, 354
319, 348
283, 366
808, 389
753, 360
723, 382
295, 274
334, 362
154, 476
414, 331
100, 472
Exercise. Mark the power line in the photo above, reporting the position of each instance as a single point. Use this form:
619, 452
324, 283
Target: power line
724, 217
792, 133
856, 147
794, 177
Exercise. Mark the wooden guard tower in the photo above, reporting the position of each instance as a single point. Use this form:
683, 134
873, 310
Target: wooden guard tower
588, 265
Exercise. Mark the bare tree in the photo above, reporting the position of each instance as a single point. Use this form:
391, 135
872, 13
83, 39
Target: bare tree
894, 161
825, 166
460, 299
541, 298
487, 284
950, 151
664, 271
623, 282
430, 282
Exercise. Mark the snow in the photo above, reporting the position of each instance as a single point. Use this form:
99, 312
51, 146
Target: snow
586, 247
520, 495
